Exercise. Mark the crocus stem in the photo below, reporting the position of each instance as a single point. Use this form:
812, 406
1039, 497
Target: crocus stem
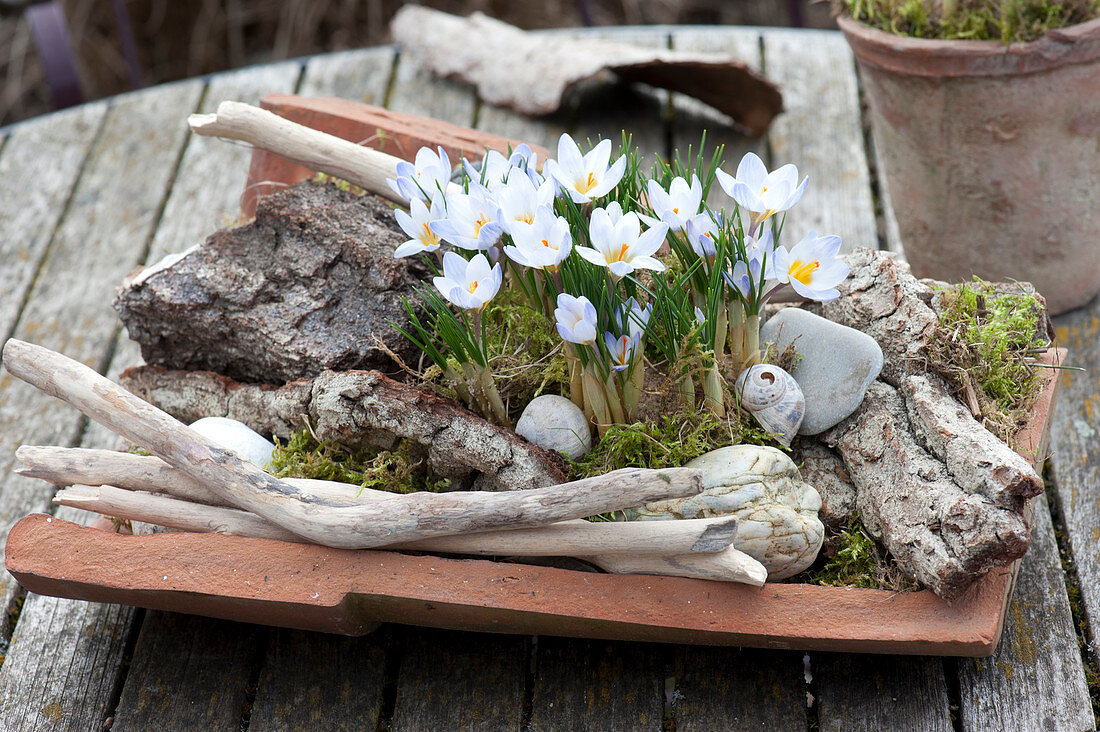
576, 385
632, 389
687, 390
461, 388
614, 399
594, 398
478, 400
751, 349
720, 333
736, 330
489, 389
712, 391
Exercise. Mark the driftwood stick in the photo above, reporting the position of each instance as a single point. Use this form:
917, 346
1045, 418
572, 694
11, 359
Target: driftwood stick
155, 477
363, 166
388, 521
729, 565
606, 540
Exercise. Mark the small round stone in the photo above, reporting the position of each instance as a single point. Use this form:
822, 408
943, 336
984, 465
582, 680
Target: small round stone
837, 365
238, 437
555, 423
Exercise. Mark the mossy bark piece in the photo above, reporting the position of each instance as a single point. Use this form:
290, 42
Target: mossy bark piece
303, 288
940, 534
973, 455
357, 409
824, 470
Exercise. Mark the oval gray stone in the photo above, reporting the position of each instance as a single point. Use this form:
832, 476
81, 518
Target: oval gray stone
836, 368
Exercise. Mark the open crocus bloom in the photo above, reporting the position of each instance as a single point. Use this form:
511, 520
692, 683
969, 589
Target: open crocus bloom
619, 246
585, 177
544, 244
576, 319
428, 173
469, 285
812, 267
520, 199
417, 224
621, 349
471, 221
760, 192
679, 204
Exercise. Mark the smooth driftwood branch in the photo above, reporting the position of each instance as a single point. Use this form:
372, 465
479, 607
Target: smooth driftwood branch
729, 565
399, 518
66, 466
563, 539
363, 166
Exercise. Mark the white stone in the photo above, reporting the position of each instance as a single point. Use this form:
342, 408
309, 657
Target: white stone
555, 423
777, 521
238, 437
837, 365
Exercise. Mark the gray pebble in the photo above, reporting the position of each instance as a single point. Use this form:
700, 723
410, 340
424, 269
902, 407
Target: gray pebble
837, 367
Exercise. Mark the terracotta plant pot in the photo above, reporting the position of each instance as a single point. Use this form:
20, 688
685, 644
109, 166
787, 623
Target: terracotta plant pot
991, 154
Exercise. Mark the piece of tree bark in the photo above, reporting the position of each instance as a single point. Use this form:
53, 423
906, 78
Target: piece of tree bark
310, 285
400, 518
360, 409
973, 455
576, 538
824, 470
540, 70
939, 534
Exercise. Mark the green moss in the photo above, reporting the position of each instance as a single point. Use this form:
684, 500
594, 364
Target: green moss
855, 560
396, 471
340, 183
135, 450
525, 351
986, 347
978, 20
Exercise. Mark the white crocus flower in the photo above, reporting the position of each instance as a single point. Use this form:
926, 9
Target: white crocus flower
576, 319
585, 177
621, 349
760, 248
634, 317
520, 199
544, 244
760, 192
619, 246
469, 285
417, 224
745, 278
420, 179
812, 267
471, 221
679, 204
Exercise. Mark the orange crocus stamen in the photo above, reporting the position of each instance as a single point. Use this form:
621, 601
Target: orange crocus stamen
803, 271
588, 184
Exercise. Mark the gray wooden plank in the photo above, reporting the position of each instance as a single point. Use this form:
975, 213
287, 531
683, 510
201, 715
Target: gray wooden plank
738, 689
103, 236
1036, 679
361, 75
1075, 451
38, 169
460, 681
690, 117
604, 110
416, 91
184, 672
314, 681
597, 685
888, 225
821, 134
861, 693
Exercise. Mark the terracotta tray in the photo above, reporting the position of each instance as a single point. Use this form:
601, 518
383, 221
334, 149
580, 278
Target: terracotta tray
340, 591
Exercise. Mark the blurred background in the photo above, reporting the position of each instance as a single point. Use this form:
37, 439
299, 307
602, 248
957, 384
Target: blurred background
116, 45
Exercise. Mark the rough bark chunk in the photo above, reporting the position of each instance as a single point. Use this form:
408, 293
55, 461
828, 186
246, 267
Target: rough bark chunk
360, 408
301, 289
824, 470
939, 533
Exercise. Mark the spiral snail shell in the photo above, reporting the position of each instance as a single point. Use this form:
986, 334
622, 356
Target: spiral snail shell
773, 398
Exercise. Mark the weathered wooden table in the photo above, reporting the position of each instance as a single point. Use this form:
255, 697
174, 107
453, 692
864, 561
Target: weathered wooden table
89, 194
